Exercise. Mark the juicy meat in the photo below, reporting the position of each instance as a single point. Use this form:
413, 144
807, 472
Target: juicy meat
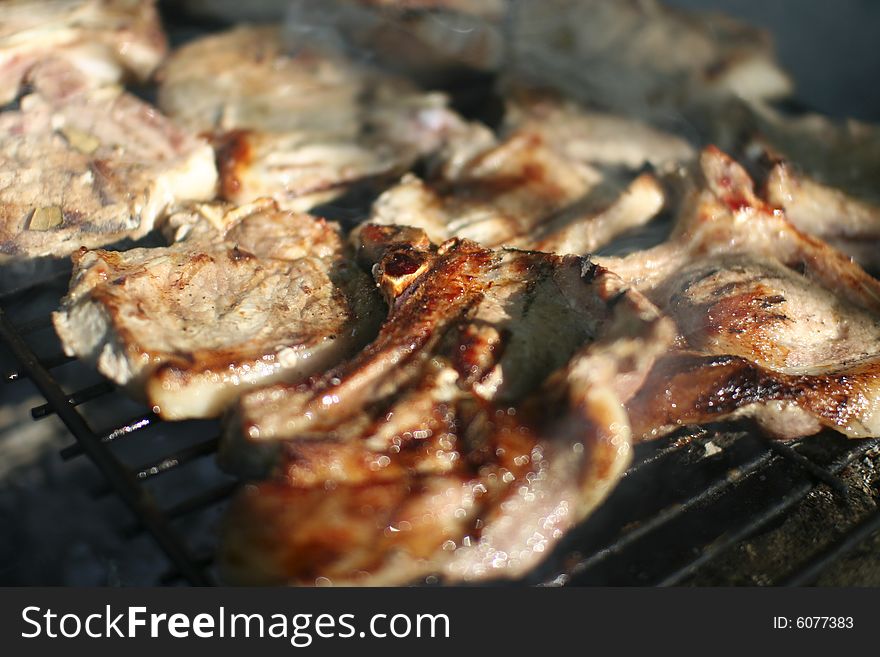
821, 172
299, 127
484, 421
592, 137
81, 166
825, 178
639, 57
773, 324
521, 193
849, 222
249, 296
104, 39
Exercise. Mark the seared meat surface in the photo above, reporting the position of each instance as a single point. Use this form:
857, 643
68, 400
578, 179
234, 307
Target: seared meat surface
849, 222
825, 178
773, 324
483, 422
589, 136
248, 296
521, 192
104, 39
295, 123
84, 166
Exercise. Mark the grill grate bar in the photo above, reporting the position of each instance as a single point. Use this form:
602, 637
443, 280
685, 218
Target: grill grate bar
137, 499
74, 399
820, 473
816, 566
672, 512
181, 457
49, 362
668, 449
730, 539
125, 429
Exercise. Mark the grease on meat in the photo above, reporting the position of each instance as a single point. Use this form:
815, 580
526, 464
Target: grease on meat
481, 424
773, 324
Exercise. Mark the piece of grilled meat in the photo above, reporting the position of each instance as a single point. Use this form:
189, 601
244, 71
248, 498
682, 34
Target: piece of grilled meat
825, 178
591, 137
522, 193
84, 166
296, 123
483, 422
773, 324
106, 40
822, 172
248, 296
639, 57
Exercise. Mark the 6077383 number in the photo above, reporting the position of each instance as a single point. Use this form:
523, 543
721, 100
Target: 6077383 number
813, 622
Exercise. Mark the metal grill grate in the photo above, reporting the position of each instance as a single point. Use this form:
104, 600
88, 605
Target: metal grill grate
127, 480
684, 503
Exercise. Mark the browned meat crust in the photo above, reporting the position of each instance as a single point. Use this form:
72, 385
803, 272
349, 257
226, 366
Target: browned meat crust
773, 324
482, 423
295, 122
522, 193
248, 297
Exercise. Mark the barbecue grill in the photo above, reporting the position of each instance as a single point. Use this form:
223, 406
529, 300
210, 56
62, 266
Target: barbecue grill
718, 504
685, 507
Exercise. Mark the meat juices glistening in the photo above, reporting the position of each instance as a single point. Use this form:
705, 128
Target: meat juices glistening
481, 424
295, 123
774, 324
85, 166
249, 296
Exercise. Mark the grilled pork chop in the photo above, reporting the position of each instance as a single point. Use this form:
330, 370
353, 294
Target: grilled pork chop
483, 422
104, 39
589, 136
825, 178
639, 57
299, 127
81, 166
773, 324
248, 296
522, 193
562, 179
849, 222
